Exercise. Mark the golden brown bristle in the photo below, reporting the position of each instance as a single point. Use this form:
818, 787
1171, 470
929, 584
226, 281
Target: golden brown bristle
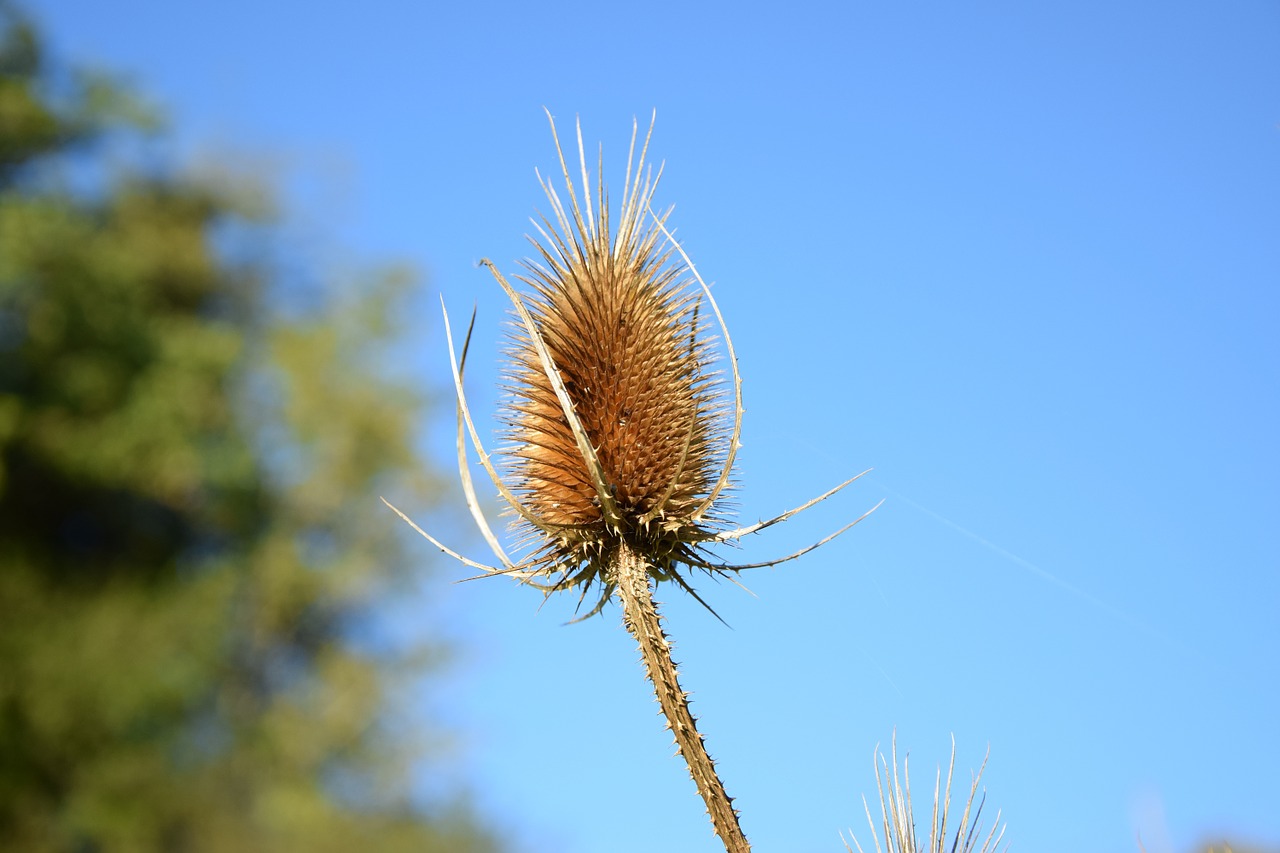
629, 358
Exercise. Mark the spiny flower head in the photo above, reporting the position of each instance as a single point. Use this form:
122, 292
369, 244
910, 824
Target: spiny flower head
620, 435
616, 424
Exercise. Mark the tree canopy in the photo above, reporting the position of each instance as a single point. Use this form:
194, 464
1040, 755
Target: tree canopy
190, 544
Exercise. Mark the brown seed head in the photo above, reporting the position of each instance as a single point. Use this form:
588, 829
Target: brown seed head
622, 321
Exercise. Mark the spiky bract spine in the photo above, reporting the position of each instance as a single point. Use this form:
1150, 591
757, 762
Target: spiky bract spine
620, 317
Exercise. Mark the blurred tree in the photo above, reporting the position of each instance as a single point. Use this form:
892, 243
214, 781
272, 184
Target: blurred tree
188, 529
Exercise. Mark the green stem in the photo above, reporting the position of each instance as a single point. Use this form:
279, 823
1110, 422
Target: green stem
640, 614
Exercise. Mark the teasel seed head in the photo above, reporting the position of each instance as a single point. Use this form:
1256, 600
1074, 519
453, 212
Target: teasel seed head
619, 431
622, 322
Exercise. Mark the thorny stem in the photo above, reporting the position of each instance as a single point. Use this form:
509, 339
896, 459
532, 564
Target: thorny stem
640, 615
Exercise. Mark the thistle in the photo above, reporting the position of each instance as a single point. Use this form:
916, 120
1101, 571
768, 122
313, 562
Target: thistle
619, 433
897, 815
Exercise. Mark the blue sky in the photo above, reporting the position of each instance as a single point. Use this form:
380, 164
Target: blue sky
1020, 258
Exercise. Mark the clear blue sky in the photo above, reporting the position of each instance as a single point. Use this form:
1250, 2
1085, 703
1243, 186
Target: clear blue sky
1022, 258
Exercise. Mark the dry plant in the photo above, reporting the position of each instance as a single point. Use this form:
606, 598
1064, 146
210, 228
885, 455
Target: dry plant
619, 433
897, 817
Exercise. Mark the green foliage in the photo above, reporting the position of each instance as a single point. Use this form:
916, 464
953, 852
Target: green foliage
188, 527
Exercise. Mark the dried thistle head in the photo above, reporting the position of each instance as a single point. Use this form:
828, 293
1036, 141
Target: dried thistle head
619, 432
620, 316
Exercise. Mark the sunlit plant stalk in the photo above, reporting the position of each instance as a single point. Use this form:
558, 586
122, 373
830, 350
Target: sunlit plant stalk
620, 435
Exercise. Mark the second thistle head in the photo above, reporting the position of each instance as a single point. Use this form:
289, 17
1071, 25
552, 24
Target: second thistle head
617, 426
